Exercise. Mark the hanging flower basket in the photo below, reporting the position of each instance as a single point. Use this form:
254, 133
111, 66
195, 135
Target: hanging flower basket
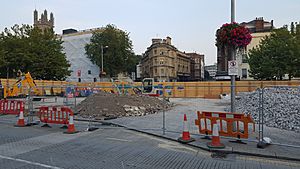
232, 34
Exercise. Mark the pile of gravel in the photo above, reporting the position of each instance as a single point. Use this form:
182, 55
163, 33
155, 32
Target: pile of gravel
281, 107
105, 105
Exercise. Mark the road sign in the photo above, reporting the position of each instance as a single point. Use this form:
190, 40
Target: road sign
232, 67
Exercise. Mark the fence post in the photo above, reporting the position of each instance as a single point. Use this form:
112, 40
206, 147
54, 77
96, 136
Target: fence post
261, 143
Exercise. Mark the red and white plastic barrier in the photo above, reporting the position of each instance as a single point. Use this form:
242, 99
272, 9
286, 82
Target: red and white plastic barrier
57, 115
11, 106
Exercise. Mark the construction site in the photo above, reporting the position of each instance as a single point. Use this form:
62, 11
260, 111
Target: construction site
191, 114
79, 95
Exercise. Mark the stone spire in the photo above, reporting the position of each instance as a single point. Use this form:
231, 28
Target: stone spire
35, 17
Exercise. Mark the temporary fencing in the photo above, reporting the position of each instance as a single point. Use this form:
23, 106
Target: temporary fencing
226, 121
58, 115
54, 115
279, 107
11, 106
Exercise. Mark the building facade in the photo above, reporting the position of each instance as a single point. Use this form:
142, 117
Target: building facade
43, 22
197, 66
258, 29
83, 70
164, 62
212, 70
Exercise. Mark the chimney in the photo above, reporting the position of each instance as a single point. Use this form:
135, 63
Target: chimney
156, 40
272, 24
168, 40
259, 24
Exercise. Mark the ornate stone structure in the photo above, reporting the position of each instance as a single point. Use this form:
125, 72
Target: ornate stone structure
259, 29
43, 23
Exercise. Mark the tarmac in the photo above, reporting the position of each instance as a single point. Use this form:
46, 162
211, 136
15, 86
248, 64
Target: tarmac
285, 144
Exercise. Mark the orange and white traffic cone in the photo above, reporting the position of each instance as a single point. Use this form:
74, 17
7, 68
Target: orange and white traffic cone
215, 142
21, 121
71, 126
186, 138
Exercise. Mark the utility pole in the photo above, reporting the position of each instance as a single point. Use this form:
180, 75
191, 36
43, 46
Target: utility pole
102, 71
101, 58
233, 57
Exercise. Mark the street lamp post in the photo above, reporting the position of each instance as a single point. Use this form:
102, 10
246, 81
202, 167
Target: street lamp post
232, 88
102, 72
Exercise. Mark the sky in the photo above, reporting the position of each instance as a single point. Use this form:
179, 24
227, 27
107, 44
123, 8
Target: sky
190, 23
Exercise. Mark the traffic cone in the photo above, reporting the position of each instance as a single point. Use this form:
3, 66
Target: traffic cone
71, 126
21, 121
186, 138
215, 142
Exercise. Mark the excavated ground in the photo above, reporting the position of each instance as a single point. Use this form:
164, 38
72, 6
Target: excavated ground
105, 105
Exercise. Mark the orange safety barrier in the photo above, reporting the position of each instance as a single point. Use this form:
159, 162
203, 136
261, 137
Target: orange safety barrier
225, 121
11, 106
54, 115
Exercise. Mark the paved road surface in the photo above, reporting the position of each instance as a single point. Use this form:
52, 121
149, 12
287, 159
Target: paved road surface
112, 148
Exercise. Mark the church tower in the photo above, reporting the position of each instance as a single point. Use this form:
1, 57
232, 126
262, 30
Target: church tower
43, 23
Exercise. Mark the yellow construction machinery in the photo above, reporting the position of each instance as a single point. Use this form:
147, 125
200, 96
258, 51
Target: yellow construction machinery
18, 88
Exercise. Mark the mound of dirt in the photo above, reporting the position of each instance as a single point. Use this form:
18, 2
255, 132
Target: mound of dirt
107, 105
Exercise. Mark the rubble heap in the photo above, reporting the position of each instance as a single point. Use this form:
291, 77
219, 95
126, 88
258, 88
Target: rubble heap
281, 107
105, 105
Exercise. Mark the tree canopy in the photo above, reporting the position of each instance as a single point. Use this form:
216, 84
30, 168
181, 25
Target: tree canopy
30, 49
118, 57
276, 55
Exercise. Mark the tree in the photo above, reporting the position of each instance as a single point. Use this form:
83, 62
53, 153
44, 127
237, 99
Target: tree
275, 56
30, 49
118, 57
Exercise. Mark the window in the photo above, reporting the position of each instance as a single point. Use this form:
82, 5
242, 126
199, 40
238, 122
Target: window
244, 58
155, 71
95, 79
155, 52
161, 61
79, 79
162, 71
89, 72
244, 73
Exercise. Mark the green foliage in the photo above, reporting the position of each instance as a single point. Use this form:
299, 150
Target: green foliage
118, 57
276, 55
29, 49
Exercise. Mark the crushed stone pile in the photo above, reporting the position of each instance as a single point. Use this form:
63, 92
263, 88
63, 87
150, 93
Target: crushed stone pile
281, 107
105, 105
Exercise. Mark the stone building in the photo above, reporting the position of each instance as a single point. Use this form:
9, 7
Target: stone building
197, 66
258, 29
43, 23
164, 62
